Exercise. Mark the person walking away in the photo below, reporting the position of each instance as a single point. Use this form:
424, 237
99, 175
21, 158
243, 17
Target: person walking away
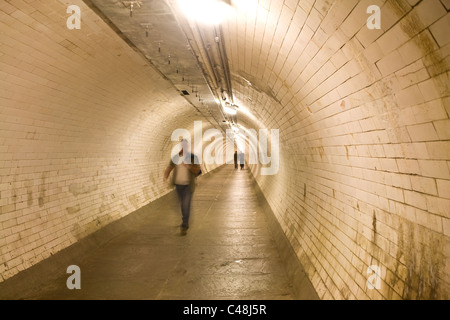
242, 160
186, 169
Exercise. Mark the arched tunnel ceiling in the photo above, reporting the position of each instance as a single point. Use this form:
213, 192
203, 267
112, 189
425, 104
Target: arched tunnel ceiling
152, 29
192, 55
363, 116
266, 55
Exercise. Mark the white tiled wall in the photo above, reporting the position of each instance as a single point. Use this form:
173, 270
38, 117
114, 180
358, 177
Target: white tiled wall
85, 126
363, 115
364, 125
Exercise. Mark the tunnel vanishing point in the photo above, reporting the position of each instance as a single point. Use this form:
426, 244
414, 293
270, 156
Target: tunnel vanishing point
95, 95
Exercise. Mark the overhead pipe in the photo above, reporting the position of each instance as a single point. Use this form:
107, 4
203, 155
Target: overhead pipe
224, 61
209, 74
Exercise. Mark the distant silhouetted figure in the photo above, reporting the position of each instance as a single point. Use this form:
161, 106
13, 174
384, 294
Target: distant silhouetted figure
242, 160
186, 169
235, 160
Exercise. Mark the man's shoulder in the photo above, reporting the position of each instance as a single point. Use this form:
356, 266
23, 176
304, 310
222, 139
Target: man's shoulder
175, 159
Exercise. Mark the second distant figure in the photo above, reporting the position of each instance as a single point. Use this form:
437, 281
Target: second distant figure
186, 169
242, 160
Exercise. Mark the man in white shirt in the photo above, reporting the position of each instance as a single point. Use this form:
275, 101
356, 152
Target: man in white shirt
186, 169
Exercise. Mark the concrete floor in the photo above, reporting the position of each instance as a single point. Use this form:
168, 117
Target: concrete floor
228, 253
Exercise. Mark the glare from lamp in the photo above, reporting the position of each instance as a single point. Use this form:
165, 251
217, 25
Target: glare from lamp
205, 11
246, 6
230, 111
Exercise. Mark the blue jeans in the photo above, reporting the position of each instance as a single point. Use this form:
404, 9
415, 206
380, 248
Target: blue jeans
185, 196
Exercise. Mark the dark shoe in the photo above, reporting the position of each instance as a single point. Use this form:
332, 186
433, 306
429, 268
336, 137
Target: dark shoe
184, 228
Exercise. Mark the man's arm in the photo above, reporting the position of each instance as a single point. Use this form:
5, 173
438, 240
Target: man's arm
168, 171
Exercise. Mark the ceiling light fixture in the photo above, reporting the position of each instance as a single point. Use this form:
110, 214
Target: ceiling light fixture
206, 11
230, 110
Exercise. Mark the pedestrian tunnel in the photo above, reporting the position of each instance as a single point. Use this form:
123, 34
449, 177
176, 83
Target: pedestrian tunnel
341, 109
